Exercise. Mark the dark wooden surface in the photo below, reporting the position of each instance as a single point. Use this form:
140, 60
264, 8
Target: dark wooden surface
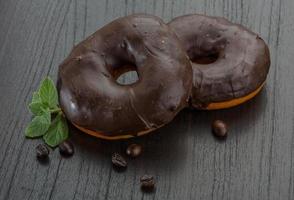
255, 162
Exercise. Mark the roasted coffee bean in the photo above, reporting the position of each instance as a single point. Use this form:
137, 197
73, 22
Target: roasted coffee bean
118, 161
147, 182
134, 150
219, 128
42, 151
66, 148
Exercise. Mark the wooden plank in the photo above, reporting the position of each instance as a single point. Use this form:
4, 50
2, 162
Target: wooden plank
255, 162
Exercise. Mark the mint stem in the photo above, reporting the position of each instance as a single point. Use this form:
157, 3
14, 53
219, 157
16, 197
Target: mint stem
56, 110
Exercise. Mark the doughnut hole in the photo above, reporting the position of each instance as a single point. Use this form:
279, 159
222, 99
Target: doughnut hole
126, 75
205, 59
206, 50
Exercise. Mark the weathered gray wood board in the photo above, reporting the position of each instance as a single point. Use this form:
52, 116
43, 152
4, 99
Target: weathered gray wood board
255, 162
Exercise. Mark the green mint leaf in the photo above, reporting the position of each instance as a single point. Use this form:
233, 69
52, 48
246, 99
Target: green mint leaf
36, 97
57, 132
39, 125
48, 93
37, 108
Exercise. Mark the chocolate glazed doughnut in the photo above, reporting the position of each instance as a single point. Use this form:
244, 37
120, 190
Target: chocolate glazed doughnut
230, 63
95, 103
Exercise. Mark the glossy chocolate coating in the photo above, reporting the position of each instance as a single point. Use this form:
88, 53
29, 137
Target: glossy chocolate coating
91, 98
242, 61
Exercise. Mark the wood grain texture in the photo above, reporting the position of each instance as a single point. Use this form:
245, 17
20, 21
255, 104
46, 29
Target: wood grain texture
255, 162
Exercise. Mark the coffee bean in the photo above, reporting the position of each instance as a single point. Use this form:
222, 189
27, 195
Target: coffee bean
147, 182
66, 148
118, 161
219, 128
42, 151
134, 150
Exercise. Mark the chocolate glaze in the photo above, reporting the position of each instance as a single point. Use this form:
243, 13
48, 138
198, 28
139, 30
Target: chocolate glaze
242, 61
91, 98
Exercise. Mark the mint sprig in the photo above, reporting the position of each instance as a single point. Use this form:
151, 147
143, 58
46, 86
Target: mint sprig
44, 106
